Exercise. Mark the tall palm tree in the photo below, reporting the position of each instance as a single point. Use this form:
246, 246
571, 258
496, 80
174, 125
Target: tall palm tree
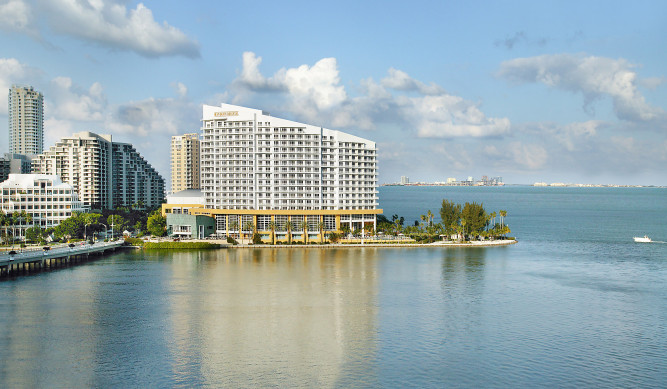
397, 226
304, 227
429, 214
463, 224
423, 219
288, 227
272, 227
233, 226
320, 227
503, 213
250, 227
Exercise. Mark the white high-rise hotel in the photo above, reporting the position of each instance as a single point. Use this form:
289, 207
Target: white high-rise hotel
258, 168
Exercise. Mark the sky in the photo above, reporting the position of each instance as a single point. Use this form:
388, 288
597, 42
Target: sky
531, 91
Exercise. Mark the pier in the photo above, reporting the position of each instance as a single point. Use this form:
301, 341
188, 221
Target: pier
18, 263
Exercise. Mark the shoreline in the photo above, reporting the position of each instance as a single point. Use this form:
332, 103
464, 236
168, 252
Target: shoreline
225, 245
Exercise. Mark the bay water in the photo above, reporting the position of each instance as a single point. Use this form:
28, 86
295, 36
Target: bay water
576, 303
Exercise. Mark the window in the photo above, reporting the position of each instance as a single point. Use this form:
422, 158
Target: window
329, 222
221, 223
297, 221
313, 221
263, 222
281, 221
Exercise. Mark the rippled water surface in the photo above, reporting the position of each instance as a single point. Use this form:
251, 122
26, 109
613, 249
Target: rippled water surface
576, 303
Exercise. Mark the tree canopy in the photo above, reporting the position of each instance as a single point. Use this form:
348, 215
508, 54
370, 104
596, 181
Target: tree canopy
157, 224
450, 214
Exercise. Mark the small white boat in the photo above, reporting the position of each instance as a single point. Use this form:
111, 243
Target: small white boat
644, 239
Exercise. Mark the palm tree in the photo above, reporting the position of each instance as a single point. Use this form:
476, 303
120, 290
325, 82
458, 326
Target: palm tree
463, 224
429, 214
272, 227
25, 216
304, 227
233, 226
345, 230
288, 227
397, 226
423, 218
503, 213
320, 227
249, 226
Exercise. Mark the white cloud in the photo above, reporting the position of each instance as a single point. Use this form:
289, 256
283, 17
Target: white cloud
594, 77
518, 154
55, 130
314, 94
150, 116
448, 116
107, 23
400, 80
70, 102
180, 88
311, 89
456, 158
15, 15
572, 136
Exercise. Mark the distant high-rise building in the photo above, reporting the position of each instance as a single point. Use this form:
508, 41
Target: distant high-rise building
405, 180
14, 164
26, 121
106, 174
184, 162
134, 181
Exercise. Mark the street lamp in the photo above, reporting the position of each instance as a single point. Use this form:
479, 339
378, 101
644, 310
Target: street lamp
105, 229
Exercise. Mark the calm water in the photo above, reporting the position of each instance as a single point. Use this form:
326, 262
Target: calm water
575, 304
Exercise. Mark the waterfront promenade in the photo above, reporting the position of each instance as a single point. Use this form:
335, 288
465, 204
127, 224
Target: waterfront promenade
13, 262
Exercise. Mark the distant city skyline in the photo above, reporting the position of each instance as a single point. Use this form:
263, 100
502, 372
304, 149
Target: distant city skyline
529, 91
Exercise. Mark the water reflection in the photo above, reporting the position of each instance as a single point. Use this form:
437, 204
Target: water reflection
284, 317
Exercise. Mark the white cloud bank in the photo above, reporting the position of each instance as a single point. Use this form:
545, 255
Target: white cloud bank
314, 93
106, 23
593, 77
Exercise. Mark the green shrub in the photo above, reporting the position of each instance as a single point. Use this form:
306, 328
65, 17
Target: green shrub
231, 240
181, 245
257, 238
134, 241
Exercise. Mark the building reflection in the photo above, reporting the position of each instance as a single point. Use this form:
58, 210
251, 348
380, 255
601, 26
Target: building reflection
279, 317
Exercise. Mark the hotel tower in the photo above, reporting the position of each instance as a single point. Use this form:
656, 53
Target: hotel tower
257, 169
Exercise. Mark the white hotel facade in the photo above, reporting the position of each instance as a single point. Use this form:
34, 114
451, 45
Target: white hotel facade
256, 168
44, 197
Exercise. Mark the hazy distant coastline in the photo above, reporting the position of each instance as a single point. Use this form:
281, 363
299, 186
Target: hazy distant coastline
537, 184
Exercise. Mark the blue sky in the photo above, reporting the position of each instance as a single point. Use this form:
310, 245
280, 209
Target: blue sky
531, 91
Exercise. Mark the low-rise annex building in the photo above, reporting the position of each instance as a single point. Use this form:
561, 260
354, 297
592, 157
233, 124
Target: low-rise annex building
44, 197
279, 177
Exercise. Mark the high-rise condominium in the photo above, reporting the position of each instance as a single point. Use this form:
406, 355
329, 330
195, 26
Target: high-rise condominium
106, 174
26, 120
184, 162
